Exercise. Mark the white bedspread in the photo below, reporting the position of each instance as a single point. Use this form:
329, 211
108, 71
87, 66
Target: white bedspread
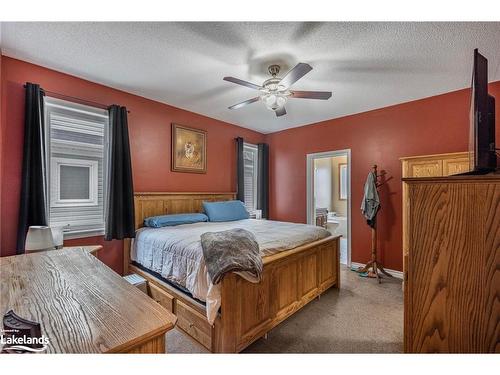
176, 254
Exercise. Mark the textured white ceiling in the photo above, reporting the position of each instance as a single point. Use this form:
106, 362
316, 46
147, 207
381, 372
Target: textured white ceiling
366, 65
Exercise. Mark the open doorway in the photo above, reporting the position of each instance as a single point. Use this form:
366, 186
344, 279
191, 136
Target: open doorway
329, 196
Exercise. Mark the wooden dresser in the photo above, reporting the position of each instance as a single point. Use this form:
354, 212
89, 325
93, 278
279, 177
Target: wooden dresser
81, 304
453, 265
437, 165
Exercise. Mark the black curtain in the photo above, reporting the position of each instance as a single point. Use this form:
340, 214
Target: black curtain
120, 189
240, 171
263, 180
33, 204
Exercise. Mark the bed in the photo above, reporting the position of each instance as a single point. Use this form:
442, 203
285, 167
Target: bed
300, 262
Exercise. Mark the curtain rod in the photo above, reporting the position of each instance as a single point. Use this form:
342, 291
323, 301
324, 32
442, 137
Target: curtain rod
75, 99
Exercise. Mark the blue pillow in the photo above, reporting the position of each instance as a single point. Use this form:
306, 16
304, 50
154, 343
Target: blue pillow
225, 211
171, 220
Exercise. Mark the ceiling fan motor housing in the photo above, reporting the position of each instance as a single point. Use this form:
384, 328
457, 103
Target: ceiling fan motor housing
272, 84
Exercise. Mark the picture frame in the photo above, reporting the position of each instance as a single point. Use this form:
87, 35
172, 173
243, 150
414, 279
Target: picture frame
189, 149
343, 181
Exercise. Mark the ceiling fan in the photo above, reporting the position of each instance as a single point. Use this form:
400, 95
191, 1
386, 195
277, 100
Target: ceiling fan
275, 91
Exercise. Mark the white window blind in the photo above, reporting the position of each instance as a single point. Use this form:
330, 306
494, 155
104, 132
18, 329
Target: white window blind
76, 140
250, 166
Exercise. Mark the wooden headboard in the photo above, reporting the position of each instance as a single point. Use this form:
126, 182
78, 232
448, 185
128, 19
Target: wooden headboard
164, 203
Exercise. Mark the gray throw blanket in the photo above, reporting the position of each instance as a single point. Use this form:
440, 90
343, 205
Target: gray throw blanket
234, 250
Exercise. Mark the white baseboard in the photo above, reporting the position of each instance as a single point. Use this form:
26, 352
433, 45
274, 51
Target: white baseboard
396, 274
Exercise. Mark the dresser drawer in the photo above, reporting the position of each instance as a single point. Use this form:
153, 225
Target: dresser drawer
425, 168
455, 166
162, 297
193, 323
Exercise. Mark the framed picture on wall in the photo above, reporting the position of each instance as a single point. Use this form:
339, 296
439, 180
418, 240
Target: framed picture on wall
343, 182
189, 149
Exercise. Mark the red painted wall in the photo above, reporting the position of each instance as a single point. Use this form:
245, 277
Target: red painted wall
432, 125
429, 126
149, 127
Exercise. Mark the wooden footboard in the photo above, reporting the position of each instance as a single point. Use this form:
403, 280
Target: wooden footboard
290, 280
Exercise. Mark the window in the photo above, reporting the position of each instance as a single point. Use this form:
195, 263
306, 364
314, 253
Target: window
250, 166
75, 182
76, 141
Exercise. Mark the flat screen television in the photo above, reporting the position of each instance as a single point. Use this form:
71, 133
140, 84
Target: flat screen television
482, 149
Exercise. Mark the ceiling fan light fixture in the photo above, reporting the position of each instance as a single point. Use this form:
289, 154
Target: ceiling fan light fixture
275, 91
274, 101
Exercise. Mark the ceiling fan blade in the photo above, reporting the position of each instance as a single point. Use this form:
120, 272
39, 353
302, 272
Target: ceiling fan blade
323, 95
299, 71
280, 112
243, 83
246, 102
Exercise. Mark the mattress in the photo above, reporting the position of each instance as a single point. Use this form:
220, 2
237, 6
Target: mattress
175, 253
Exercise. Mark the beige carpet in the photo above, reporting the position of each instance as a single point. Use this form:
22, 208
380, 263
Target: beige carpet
363, 317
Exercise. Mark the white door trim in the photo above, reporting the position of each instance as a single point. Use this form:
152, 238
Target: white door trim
310, 190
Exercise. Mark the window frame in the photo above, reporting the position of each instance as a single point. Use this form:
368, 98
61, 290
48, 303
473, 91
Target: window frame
255, 151
55, 182
70, 106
